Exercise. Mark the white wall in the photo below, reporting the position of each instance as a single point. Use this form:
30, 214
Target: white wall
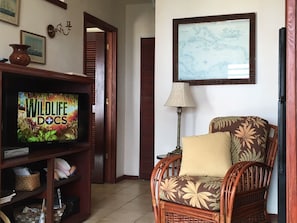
140, 23
64, 53
218, 100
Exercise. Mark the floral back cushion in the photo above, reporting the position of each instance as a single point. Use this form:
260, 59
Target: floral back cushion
248, 136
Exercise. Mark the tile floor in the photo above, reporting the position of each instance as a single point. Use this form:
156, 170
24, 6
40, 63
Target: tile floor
128, 201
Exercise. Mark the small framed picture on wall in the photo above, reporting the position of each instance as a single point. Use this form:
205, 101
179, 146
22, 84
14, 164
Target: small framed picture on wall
10, 11
60, 3
37, 43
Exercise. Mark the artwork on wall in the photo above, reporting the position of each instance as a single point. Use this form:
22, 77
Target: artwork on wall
10, 11
214, 49
60, 3
37, 43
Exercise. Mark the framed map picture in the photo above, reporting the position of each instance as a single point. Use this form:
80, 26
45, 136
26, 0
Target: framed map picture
214, 49
10, 11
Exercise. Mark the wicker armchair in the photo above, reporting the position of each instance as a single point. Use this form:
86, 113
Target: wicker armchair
4, 218
243, 191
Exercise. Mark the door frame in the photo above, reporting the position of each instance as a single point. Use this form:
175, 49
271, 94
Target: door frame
110, 93
291, 114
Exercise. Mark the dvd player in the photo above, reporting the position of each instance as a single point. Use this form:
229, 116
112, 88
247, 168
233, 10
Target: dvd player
11, 152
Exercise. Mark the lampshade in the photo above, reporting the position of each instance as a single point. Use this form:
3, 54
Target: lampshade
180, 95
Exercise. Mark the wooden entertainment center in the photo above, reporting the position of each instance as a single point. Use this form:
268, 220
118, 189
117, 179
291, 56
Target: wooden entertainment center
78, 154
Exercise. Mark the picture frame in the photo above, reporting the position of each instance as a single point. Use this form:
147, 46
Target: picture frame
37, 51
214, 49
59, 3
10, 11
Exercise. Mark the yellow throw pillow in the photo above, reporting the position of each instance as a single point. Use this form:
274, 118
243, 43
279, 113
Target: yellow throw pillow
206, 155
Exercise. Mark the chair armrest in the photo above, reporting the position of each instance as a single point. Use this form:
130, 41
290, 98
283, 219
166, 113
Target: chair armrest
168, 166
244, 178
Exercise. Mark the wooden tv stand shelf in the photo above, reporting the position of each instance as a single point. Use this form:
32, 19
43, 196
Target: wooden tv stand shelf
16, 78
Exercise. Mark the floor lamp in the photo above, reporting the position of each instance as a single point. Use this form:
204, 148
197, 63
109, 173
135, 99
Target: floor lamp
180, 97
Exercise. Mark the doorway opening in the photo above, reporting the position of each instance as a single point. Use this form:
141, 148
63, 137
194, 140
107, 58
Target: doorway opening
100, 57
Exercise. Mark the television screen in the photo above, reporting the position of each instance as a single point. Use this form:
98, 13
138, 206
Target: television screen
47, 117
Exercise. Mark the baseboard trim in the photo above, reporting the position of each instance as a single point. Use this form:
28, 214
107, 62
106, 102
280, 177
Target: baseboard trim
126, 177
273, 218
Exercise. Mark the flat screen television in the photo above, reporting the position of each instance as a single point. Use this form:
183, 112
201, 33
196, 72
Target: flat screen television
47, 117
32, 118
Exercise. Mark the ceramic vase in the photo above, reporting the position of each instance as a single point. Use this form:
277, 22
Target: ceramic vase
19, 54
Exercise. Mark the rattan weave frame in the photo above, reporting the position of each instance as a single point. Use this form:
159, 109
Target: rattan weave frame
243, 195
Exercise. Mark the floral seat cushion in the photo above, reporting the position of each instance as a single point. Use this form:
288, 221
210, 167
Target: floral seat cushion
196, 191
248, 136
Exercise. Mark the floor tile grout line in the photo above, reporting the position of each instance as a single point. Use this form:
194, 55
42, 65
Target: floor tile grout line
124, 204
137, 199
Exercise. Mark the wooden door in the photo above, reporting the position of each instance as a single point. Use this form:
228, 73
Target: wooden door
147, 108
103, 68
95, 65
